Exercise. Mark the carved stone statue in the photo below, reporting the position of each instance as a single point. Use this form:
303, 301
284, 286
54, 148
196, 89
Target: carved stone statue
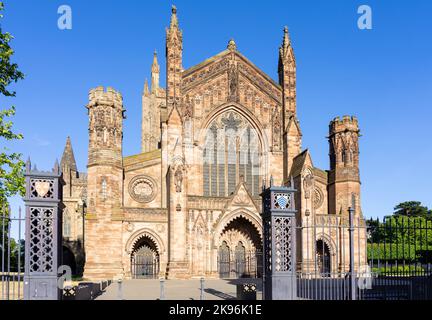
178, 180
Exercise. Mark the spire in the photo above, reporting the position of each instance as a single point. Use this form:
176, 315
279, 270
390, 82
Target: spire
155, 65
68, 158
173, 32
146, 87
286, 43
155, 73
174, 21
286, 40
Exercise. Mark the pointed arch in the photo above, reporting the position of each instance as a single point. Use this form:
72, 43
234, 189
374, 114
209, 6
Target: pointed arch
248, 215
234, 148
145, 233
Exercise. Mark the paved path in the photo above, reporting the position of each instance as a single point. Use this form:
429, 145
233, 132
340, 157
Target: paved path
174, 290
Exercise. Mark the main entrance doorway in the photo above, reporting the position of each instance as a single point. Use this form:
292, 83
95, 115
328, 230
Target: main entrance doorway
145, 260
240, 251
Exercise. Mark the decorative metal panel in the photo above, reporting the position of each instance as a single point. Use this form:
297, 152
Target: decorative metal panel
267, 245
283, 243
42, 188
282, 200
41, 239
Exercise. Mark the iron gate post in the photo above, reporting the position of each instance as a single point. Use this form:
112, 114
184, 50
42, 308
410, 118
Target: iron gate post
43, 238
279, 222
353, 289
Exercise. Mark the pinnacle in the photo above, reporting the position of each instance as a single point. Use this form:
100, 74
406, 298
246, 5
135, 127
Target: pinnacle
232, 45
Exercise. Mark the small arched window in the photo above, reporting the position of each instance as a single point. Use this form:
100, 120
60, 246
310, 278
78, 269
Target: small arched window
66, 224
104, 189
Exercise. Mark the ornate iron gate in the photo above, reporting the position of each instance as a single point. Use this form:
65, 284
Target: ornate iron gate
224, 263
240, 263
240, 260
145, 264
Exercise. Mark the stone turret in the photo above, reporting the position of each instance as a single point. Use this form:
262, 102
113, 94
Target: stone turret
104, 184
344, 175
106, 114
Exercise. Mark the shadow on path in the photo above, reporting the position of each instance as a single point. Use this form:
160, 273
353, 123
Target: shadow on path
220, 294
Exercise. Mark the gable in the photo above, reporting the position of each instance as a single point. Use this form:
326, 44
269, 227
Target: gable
220, 64
241, 198
300, 162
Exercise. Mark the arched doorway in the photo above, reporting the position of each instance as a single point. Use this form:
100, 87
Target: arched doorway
145, 259
323, 258
240, 250
224, 260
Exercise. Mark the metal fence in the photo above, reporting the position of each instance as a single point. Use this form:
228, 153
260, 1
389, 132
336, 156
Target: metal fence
346, 258
12, 255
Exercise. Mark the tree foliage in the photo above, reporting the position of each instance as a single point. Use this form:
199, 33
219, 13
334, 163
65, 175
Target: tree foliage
412, 209
11, 164
404, 236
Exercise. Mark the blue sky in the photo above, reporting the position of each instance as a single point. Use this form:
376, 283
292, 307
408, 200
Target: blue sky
383, 75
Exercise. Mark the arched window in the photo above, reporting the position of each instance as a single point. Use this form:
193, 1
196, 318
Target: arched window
104, 189
66, 224
323, 258
231, 151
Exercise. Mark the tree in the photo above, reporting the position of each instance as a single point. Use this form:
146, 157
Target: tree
11, 164
412, 209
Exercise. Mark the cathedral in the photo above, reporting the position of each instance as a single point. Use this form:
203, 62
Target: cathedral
188, 205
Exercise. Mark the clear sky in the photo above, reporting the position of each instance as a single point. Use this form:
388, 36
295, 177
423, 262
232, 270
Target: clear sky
383, 75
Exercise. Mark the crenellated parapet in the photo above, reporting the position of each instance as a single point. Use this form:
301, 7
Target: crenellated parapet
108, 97
347, 123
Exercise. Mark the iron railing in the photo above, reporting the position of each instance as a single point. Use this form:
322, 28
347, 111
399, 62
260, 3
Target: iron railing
12, 255
343, 259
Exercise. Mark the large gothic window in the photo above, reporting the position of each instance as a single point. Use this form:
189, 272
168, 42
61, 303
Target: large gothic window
231, 151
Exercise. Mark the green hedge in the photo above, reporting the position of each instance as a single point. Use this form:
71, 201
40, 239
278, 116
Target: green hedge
393, 251
399, 270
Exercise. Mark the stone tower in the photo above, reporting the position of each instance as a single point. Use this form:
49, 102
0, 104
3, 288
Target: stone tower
344, 175
287, 79
103, 222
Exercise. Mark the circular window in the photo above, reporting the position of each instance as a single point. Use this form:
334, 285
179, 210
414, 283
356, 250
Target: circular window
142, 189
318, 198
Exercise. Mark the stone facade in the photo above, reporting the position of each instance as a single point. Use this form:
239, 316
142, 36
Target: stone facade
190, 201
